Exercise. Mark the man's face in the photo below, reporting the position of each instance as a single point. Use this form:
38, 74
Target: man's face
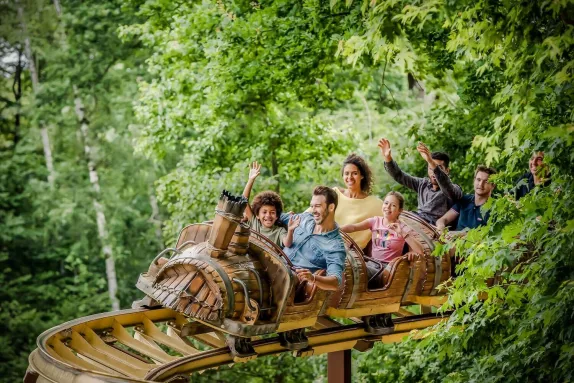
535, 162
440, 163
482, 187
319, 208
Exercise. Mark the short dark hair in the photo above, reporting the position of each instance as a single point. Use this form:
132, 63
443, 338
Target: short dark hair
364, 169
441, 156
328, 193
269, 198
485, 169
399, 196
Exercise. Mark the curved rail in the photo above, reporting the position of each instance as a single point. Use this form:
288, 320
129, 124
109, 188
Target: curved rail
161, 345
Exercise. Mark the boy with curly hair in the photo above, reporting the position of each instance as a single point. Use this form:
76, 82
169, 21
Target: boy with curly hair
264, 212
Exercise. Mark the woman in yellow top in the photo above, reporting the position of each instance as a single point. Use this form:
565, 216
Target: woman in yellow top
356, 203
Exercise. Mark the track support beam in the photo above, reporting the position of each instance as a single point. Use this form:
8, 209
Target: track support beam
339, 367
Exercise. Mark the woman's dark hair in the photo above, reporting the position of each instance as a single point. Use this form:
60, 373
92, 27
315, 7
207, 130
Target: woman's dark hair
398, 196
269, 198
364, 169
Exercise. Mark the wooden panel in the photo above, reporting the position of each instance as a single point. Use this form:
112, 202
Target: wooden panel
96, 342
155, 353
195, 232
282, 280
157, 335
81, 346
66, 355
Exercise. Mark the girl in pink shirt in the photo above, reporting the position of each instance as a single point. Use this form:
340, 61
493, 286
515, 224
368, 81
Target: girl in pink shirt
388, 233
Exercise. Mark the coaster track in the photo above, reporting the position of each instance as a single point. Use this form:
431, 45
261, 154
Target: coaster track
161, 345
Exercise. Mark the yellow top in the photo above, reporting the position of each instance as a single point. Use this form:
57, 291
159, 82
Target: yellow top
355, 210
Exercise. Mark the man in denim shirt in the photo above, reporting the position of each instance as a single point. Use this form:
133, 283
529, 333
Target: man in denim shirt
315, 241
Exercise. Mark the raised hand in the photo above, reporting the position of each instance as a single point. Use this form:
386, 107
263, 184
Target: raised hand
254, 170
425, 152
294, 222
385, 147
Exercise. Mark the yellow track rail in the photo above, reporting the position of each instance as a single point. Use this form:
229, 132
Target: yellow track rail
161, 345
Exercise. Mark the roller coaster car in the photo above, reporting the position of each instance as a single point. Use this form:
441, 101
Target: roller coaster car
239, 282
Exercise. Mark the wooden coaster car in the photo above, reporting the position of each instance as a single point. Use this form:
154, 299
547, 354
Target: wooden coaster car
244, 285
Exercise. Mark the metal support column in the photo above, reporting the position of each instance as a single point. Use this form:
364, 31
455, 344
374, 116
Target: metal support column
339, 367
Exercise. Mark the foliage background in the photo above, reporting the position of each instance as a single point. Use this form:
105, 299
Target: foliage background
180, 97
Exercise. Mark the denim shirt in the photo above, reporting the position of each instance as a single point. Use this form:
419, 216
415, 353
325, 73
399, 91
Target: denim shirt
316, 251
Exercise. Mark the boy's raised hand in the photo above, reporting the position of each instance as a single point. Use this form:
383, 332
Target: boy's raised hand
385, 147
254, 170
294, 222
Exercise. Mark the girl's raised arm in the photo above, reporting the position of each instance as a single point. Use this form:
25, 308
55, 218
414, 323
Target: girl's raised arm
351, 228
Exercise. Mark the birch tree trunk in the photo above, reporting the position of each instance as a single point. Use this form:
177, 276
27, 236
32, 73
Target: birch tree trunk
95, 181
36, 86
100, 215
366, 105
58, 7
155, 217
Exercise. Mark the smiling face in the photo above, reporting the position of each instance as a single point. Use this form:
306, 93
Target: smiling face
319, 208
441, 165
267, 215
535, 162
482, 187
391, 208
352, 177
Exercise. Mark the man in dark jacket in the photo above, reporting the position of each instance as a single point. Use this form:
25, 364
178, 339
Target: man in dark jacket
536, 176
437, 193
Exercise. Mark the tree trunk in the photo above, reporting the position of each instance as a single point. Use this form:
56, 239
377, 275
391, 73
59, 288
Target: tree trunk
366, 105
155, 217
100, 215
36, 86
415, 85
17, 90
58, 7
275, 168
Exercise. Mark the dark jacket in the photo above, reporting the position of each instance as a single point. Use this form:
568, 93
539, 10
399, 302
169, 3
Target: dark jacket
432, 204
526, 183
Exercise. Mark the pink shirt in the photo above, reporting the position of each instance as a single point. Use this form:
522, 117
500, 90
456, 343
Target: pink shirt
387, 243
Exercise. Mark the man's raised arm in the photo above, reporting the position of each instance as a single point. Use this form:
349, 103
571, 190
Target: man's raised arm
452, 191
393, 169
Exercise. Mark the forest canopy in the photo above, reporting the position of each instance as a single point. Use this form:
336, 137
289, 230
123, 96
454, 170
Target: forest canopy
122, 121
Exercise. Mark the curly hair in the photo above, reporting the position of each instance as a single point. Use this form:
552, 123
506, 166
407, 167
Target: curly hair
364, 169
269, 198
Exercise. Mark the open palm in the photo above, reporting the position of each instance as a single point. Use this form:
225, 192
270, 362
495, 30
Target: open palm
385, 147
254, 170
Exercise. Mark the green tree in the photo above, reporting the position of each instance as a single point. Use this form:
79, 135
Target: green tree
52, 269
513, 68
